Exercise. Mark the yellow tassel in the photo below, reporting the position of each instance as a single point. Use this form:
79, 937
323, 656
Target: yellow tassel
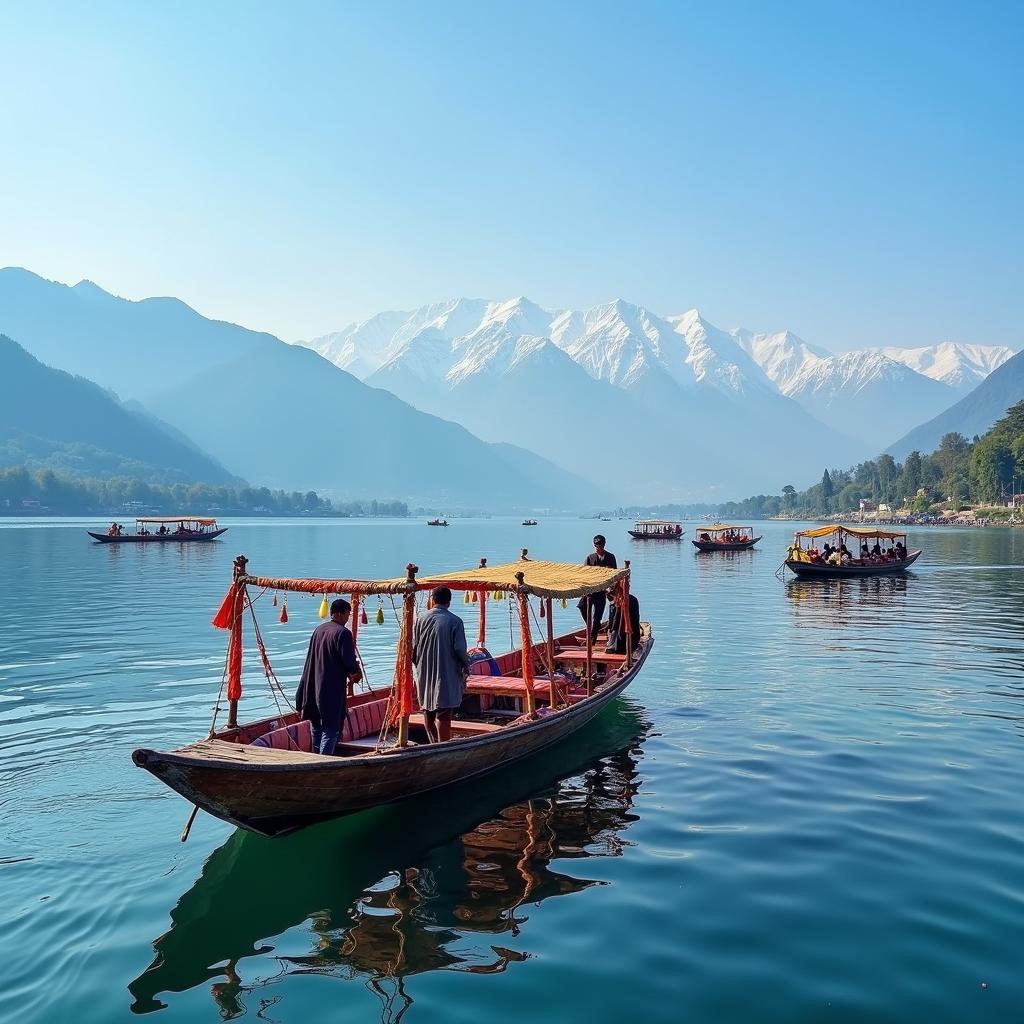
380, 615
565, 604
498, 596
430, 603
323, 608
466, 599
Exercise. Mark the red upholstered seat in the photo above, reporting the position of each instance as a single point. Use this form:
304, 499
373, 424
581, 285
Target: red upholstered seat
364, 720
289, 737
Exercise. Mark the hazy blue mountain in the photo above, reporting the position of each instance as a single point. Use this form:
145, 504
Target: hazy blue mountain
278, 414
50, 418
974, 414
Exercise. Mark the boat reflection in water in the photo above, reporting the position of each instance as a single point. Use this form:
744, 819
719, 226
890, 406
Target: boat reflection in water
390, 893
867, 601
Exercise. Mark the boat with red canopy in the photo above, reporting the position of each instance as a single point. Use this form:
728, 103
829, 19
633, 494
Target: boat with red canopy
806, 559
262, 775
723, 537
168, 530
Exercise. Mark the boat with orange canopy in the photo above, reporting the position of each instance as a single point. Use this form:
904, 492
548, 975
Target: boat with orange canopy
805, 559
723, 537
169, 530
262, 775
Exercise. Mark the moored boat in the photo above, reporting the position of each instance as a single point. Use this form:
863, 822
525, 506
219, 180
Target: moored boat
263, 776
437, 522
724, 537
170, 530
805, 559
529, 522
656, 529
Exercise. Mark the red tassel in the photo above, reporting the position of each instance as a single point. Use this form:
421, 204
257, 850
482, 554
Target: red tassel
284, 612
226, 613
362, 617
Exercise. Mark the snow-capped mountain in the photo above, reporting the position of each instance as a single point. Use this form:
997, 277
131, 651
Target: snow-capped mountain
867, 395
548, 379
961, 366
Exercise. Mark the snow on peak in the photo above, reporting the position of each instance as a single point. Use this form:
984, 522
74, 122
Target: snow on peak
959, 365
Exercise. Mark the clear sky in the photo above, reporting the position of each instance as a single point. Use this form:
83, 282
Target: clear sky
851, 171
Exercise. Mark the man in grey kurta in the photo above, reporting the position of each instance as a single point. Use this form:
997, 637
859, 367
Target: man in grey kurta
442, 664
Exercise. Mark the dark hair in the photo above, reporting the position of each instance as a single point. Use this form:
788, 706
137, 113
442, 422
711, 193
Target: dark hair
339, 606
442, 595
599, 539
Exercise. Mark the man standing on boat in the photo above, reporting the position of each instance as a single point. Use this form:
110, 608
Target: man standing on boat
330, 663
592, 606
441, 658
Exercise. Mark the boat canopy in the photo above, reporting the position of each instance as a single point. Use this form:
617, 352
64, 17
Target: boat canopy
721, 528
541, 579
202, 520
856, 531
657, 522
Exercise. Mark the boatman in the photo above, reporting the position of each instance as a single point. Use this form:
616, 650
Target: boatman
617, 628
330, 663
592, 606
442, 664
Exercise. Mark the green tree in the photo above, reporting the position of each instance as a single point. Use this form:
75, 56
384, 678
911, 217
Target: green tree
992, 466
825, 493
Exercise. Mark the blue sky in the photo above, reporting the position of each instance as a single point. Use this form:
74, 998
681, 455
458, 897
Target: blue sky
850, 171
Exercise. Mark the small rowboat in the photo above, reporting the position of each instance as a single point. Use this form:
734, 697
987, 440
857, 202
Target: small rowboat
529, 522
723, 537
170, 530
656, 529
437, 522
262, 775
807, 562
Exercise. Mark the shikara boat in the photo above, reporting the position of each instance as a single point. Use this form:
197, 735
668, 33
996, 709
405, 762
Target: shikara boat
262, 776
529, 522
804, 558
437, 522
169, 530
723, 537
657, 529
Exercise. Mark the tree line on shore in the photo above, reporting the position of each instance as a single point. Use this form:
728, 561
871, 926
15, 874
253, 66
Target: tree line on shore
25, 493
985, 471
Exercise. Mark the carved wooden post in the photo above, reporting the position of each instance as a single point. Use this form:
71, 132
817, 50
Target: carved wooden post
481, 636
405, 654
235, 640
526, 643
551, 651
627, 619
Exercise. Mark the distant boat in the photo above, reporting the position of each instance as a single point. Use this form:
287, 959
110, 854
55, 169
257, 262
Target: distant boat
437, 522
807, 562
656, 529
723, 537
529, 522
170, 530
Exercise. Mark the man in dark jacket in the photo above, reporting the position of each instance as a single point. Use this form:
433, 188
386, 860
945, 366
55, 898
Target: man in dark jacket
330, 663
592, 606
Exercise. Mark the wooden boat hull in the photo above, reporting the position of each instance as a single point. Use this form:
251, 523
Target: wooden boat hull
154, 538
654, 536
274, 792
814, 569
703, 545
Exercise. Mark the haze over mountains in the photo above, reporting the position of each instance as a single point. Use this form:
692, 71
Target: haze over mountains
272, 413
496, 404
704, 405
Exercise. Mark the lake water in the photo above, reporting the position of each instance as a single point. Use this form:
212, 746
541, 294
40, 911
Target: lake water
808, 807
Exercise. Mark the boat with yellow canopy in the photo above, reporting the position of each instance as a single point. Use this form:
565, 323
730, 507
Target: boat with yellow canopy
806, 559
166, 530
725, 537
262, 775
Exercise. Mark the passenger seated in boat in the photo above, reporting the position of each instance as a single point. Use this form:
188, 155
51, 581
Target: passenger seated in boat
705, 538
162, 531
877, 550
834, 557
845, 558
616, 627
864, 551
441, 658
899, 551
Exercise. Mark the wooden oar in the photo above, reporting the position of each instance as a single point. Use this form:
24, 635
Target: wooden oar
188, 824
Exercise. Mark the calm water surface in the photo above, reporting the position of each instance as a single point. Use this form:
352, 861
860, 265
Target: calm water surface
808, 807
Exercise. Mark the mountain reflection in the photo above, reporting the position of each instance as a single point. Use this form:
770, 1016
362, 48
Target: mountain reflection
390, 893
